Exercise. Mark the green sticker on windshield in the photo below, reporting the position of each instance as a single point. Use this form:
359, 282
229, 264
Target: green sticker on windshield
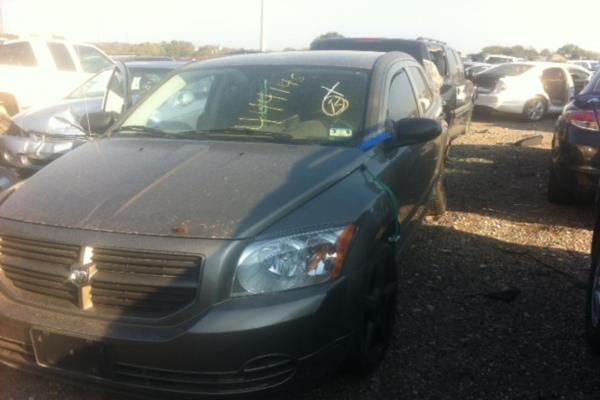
340, 132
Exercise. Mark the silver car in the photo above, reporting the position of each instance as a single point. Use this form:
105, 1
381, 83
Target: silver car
38, 136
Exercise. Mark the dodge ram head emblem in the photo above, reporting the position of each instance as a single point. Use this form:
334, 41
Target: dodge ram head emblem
81, 277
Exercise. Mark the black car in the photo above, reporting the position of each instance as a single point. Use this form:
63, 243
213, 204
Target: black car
232, 246
457, 92
575, 164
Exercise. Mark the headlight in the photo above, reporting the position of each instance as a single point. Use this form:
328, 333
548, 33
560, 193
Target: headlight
293, 261
7, 156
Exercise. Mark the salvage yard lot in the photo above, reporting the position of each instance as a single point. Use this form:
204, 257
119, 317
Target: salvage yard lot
491, 295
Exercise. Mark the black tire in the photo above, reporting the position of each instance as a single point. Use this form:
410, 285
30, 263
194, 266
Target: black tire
556, 192
592, 324
535, 109
374, 331
439, 202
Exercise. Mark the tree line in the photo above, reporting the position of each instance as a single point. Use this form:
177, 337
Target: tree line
570, 51
175, 48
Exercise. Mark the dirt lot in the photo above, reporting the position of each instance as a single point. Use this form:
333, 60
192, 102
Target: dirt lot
454, 340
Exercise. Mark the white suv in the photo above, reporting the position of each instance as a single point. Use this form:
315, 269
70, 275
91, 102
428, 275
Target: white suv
37, 71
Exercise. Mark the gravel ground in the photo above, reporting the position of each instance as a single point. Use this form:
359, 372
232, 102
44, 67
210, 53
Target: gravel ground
456, 339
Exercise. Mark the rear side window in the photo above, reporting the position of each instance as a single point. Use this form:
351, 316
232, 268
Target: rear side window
92, 61
61, 57
460, 68
452, 67
439, 59
401, 101
19, 53
422, 89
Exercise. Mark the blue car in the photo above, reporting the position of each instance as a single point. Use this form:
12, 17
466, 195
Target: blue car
575, 166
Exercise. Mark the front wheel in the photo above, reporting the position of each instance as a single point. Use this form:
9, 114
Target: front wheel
375, 329
535, 109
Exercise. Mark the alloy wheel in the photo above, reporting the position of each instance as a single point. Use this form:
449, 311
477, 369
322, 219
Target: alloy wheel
535, 110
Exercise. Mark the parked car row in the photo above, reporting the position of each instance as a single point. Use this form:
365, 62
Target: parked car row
210, 221
202, 210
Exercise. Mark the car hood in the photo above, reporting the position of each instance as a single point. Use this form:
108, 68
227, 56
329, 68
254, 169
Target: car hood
203, 189
44, 119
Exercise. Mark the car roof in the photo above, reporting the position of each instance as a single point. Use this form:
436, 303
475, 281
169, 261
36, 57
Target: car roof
347, 59
414, 47
155, 64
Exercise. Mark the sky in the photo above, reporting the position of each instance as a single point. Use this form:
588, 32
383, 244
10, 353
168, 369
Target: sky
467, 25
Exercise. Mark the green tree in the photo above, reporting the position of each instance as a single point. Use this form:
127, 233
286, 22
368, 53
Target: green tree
573, 51
329, 35
514, 51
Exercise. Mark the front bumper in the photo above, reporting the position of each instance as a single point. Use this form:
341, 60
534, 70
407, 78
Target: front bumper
241, 346
217, 346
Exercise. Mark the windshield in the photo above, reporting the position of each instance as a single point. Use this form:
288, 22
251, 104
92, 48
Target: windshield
142, 80
297, 103
509, 69
93, 87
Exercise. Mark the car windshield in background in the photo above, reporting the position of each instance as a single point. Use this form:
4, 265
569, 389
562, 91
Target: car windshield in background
316, 104
511, 69
142, 80
93, 87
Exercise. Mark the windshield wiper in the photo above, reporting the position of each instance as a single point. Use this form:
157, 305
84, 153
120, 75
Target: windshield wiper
145, 131
241, 132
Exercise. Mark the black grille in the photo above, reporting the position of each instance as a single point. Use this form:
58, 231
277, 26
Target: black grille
16, 351
262, 374
39, 268
143, 283
130, 283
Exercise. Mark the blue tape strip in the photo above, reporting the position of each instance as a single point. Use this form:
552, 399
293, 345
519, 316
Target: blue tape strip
374, 141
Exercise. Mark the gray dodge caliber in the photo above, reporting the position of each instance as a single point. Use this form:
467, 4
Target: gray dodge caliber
235, 231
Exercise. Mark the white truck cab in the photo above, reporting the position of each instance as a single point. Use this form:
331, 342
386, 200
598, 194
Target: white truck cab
37, 71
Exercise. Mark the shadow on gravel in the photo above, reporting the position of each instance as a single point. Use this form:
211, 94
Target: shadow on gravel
511, 184
456, 340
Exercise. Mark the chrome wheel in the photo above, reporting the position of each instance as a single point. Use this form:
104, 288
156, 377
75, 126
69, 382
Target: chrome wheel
535, 109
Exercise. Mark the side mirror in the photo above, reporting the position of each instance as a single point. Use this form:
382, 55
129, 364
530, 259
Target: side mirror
414, 131
97, 122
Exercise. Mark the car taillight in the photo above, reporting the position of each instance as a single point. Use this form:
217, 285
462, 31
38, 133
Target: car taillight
582, 119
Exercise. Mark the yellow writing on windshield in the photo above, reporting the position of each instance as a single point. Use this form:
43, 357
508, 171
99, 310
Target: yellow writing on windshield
269, 102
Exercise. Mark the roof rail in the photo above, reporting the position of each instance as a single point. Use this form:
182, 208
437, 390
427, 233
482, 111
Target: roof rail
424, 39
